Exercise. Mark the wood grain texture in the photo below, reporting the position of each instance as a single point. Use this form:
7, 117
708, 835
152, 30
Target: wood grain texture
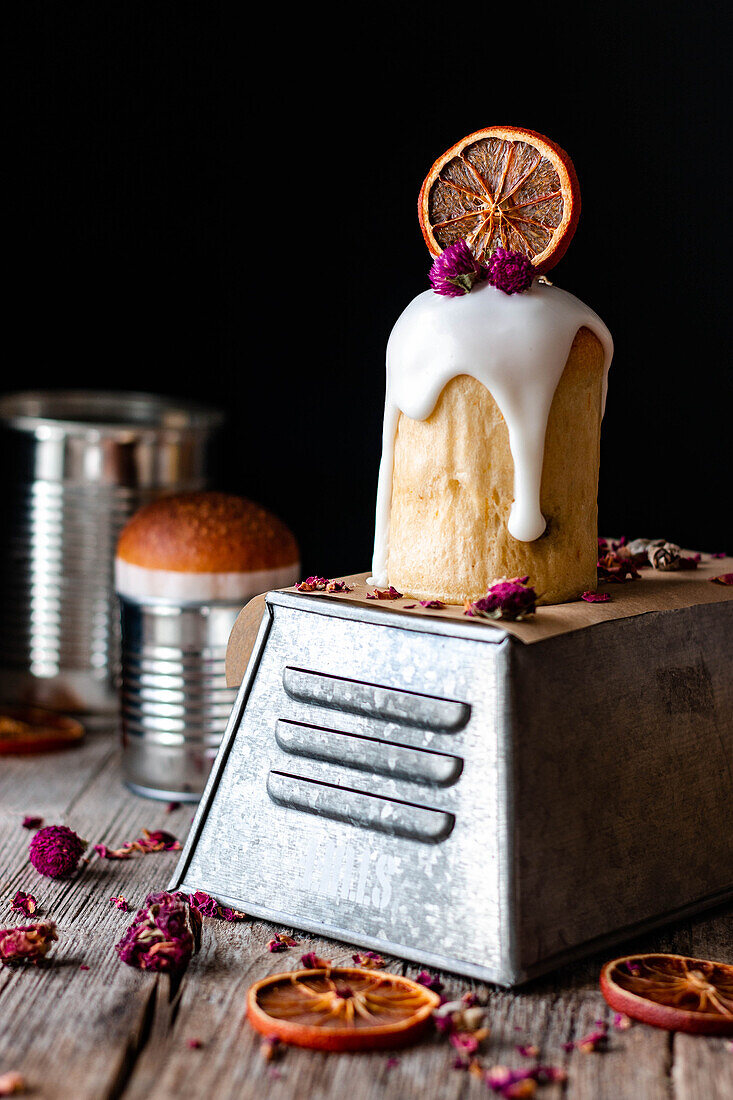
111, 1031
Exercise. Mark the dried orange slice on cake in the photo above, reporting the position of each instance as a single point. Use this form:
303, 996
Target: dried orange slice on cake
502, 187
672, 991
340, 1008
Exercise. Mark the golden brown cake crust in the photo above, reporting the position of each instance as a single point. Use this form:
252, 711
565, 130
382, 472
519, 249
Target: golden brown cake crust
206, 533
453, 482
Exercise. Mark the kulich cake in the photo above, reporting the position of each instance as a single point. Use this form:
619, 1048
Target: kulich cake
204, 546
496, 384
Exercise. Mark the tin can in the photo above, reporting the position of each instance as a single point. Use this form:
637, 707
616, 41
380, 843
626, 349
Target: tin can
174, 699
76, 465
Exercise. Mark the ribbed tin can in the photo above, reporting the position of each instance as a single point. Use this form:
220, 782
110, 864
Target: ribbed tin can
174, 699
75, 465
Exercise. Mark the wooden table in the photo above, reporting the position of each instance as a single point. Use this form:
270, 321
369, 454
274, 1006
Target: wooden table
111, 1031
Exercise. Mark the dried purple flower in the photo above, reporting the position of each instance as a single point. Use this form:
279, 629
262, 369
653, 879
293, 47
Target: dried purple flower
120, 902
368, 960
56, 850
614, 567
430, 981
384, 594
172, 807
163, 936
595, 1040
463, 1042
455, 270
28, 943
511, 272
207, 906
621, 1021
528, 1050
595, 597
506, 599
432, 605
24, 903
322, 584
724, 578
720, 554
36, 822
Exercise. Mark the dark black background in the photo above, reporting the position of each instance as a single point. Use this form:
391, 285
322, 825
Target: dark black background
219, 204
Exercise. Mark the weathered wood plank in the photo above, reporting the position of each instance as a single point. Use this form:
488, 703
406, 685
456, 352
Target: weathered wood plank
111, 1031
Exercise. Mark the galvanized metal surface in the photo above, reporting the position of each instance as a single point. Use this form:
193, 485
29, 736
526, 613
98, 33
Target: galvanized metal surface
174, 703
553, 797
75, 466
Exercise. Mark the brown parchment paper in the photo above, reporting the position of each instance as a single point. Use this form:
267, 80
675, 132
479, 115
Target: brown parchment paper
655, 591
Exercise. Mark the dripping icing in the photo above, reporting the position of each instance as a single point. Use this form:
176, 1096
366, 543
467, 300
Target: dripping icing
517, 346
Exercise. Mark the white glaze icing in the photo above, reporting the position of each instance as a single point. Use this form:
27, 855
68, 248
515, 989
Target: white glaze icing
140, 583
517, 346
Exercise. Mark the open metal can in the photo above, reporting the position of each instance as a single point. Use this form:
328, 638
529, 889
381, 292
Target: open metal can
75, 466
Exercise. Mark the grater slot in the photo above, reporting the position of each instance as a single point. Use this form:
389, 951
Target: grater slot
376, 701
370, 811
370, 754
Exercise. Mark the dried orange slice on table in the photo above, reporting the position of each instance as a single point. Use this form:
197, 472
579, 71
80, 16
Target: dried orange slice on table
31, 729
343, 1008
502, 187
672, 991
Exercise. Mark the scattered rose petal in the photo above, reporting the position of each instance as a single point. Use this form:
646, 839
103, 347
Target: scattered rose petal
463, 1042
595, 597
83, 966
506, 599
172, 807
384, 594
270, 1048
32, 822
322, 584
528, 1050
24, 903
281, 942
511, 272
56, 850
455, 271
430, 981
368, 960
613, 567
720, 554
595, 1040
27, 943
432, 605
392, 1062
11, 1084
194, 1044
408, 606
163, 936
311, 961
724, 578
120, 901
621, 1022
157, 841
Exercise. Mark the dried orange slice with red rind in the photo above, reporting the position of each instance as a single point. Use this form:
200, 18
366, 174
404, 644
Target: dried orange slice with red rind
32, 729
340, 1008
675, 992
506, 187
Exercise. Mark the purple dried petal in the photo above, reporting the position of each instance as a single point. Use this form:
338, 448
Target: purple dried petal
512, 600
27, 943
430, 981
163, 936
595, 597
24, 903
120, 902
36, 822
432, 605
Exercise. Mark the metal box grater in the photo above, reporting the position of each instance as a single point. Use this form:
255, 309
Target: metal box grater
438, 790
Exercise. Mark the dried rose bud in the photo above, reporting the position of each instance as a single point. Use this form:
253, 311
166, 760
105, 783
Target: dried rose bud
664, 556
56, 850
455, 270
11, 1084
163, 936
511, 272
24, 903
28, 943
506, 599
36, 822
